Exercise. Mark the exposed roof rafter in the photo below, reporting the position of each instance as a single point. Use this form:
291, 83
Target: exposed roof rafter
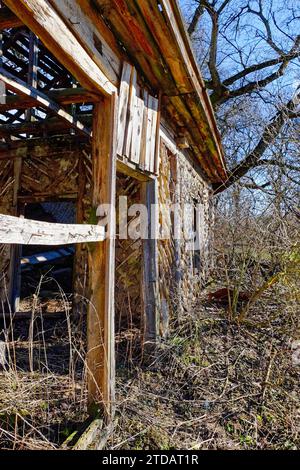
41, 99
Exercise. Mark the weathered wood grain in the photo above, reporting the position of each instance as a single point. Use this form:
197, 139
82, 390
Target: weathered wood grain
90, 38
151, 300
15, 230
101, 342
123, 106
137, 128
47, 24
151, 133
133, 170
130, 113
143, 164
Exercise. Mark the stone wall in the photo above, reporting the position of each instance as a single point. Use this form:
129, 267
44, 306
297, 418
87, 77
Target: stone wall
129, 263
183, 265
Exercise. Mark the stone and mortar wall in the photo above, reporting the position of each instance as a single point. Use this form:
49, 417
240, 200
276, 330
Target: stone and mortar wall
180, 281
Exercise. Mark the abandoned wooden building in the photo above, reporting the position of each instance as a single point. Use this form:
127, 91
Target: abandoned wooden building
102, 99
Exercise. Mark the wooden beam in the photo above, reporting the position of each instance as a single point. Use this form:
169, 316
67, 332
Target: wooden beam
50, 125
95, 14
89, 37
55, 146
42, 18
15, 230
130, 169
15, 250
8, 19
41, 99
32, 128
101, 341
32, 75
150, 288
62, 97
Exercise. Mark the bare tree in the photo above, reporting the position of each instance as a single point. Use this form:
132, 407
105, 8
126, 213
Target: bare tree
249, 53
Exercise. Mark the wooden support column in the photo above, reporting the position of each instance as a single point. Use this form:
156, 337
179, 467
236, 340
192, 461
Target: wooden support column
14, 267
101, 341
32, 69
150, 272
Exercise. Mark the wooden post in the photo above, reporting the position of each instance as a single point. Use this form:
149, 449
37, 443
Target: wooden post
15, 263
32, 70
101, 341
150, 271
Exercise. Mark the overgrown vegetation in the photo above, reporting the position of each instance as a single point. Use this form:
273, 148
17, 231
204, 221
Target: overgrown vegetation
228, 374
227, 377
215, 385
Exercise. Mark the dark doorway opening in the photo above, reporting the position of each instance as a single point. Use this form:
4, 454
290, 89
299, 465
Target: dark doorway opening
45, 272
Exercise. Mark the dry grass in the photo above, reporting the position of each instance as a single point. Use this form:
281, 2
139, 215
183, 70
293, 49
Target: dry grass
212, 384
215, 384
42, 386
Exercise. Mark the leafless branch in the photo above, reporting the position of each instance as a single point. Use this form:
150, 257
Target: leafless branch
268, 137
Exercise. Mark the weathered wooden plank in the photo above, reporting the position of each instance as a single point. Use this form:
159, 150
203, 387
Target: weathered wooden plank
168, 137
148, 129
90, 436
123, 106
137, 129
15, 250
157, 138
32, 75
91, 10
182, 42
15, 230
90, 38
18, 86
151, 133
131, 169
46, 23
142, 163
150, 287
101, 343
130, 114
152, 15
